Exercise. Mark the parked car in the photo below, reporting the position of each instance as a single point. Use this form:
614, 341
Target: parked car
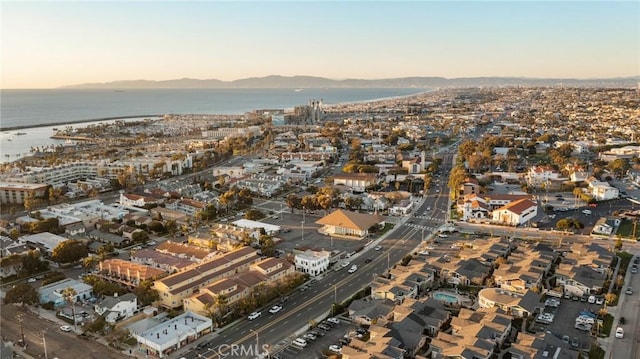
442, 235
333, 320
324, 327
585, 327
377, 248
599, 300
31, 280
334, 348
309, 336
575, 343
619, 333
300, 342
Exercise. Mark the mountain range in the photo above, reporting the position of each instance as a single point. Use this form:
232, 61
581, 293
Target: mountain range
276, 81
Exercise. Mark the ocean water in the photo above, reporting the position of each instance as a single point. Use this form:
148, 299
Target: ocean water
34, 109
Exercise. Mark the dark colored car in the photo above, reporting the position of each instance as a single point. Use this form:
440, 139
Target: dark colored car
368, 260
201, 345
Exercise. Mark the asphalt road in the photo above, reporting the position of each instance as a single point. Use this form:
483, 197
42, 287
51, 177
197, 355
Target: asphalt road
629, 308
304, 307
59, 344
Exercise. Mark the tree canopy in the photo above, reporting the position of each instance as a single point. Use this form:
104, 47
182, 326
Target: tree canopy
21, 293
69, 251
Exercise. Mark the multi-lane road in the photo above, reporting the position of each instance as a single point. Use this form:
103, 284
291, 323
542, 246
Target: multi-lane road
336, 286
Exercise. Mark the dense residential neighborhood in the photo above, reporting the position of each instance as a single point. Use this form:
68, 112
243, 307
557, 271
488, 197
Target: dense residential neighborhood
458, 223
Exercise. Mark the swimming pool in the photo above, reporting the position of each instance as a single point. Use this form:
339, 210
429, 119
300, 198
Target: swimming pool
444, 297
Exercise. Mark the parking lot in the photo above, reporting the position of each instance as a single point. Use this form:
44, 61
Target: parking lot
564, 321
319, 347
292, 238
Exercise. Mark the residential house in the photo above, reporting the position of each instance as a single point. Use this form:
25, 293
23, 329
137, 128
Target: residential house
510, 302
544, 177
606, 226
358, 182
366, 311
116, 308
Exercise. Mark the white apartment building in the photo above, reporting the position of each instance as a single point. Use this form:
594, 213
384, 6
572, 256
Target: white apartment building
541, 175
602, 191
312, 262
57, 175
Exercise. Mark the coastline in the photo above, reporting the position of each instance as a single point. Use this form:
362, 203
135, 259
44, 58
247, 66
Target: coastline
13, 128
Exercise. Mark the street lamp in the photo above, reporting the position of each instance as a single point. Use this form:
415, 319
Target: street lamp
44, 343
20, 319
257, 338
303, 218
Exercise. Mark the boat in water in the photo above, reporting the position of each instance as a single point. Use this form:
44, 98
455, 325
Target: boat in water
298, 90
20, 133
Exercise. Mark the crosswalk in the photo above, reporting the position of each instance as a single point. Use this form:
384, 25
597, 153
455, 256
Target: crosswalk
436, 219
419, 226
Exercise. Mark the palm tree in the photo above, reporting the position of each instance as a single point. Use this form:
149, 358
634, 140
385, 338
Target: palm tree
69, 294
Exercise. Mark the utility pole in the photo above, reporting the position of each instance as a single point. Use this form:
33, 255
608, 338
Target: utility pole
303, 218
20, 319
257, 338
44, 343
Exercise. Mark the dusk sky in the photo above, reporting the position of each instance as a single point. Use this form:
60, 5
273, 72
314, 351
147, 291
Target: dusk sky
50, 44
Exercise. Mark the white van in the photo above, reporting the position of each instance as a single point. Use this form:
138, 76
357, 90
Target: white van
299, 342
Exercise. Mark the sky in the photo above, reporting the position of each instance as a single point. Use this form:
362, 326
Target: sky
47, 44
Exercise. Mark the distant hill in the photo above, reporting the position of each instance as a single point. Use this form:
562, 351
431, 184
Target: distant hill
288, 82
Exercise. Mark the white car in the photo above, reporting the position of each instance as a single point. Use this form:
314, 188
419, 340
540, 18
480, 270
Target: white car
586, 211
619, 333
599, 300
254, 315
345, 264
65, 328
333, 320
592, 299
275, 309
353, 269
334, 348
377, 248
31, 280
442, 235
300, 342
